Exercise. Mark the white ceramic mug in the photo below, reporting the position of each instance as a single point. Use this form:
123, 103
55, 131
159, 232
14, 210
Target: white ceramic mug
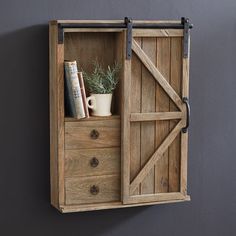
100, 104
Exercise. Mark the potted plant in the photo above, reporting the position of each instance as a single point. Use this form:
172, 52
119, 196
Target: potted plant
100, 84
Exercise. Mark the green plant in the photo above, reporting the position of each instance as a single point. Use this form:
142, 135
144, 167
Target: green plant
102, 81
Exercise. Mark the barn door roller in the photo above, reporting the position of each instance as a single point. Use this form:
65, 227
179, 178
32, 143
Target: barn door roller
129, 25
186, 25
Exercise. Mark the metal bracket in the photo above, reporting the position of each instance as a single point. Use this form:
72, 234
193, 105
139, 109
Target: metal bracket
185, 100
129, 26
185, 22
60, 34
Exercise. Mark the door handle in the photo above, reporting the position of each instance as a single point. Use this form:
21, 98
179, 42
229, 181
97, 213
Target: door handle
186, 102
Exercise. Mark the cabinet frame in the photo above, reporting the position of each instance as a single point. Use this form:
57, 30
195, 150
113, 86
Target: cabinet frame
57, 119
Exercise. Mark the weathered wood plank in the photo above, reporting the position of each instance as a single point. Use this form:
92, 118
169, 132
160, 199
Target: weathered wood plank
60, 120
156, 197
175, 81
162, 106
156, 156
184, 136
125, 126
134, 117
80, 162
156, 74
135, 128
148, 105
114, 205
78, 189
53, 116
157, 33
78, 134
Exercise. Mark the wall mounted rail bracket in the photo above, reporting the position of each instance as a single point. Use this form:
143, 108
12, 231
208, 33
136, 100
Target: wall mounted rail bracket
186, 25
129, 25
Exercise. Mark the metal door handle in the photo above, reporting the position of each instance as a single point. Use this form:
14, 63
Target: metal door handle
186, 101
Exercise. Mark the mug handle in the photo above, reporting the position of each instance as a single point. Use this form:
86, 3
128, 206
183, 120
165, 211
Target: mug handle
93, 102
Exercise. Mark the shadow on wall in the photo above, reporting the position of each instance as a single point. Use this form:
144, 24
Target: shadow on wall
25, 123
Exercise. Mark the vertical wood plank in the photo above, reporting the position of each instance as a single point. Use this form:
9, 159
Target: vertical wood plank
162, 104
174, 149
148, 105
56, 118
135, 127
184, 136
60, 121
53, 114
116, 99
125, 126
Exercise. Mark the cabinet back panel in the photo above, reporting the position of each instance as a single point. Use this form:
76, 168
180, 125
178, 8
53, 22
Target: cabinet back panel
88, 47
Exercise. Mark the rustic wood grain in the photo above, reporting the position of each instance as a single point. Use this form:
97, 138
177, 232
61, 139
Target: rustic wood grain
78, 162
114, 205
77, 134
148, 105
156, 156
174, 149
125, 126
162, 106
157, 33
53, 116
184, 136
156, 116
156, 74
78, 189
135, 128
86, 48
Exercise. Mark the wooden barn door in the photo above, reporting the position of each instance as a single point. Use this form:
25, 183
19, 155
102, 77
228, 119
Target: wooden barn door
154, 148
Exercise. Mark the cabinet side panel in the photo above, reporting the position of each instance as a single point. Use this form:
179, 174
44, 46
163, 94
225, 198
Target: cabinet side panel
53, 115
60, 121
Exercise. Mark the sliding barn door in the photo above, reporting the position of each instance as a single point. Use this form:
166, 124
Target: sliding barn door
154, 148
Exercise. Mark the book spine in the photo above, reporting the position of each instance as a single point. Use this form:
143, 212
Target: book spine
74, 90
81, 81
69, 100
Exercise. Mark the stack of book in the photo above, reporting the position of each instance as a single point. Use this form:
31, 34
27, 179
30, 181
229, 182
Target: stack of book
75, 95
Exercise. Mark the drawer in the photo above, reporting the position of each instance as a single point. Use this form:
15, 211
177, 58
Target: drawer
94, 189
87, 162
92, 134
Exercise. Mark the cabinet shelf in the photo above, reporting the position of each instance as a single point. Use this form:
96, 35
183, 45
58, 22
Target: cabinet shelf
92, 118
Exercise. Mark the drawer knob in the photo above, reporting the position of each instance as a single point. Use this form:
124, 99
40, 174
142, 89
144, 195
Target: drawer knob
94, 190
94, 134
94, 162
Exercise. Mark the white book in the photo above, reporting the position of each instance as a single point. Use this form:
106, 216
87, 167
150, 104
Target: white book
74, 90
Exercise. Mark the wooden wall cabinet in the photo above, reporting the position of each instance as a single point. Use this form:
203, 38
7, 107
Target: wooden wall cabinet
139, 156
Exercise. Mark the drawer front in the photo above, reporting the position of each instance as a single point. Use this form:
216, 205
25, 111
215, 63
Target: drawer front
96, 189
92, 134
87, 162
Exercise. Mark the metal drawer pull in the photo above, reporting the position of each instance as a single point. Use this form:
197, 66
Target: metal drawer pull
94, 134
185, 100
94, 162
94, 190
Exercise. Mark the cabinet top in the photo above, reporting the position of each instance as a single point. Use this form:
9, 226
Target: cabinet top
53, 22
